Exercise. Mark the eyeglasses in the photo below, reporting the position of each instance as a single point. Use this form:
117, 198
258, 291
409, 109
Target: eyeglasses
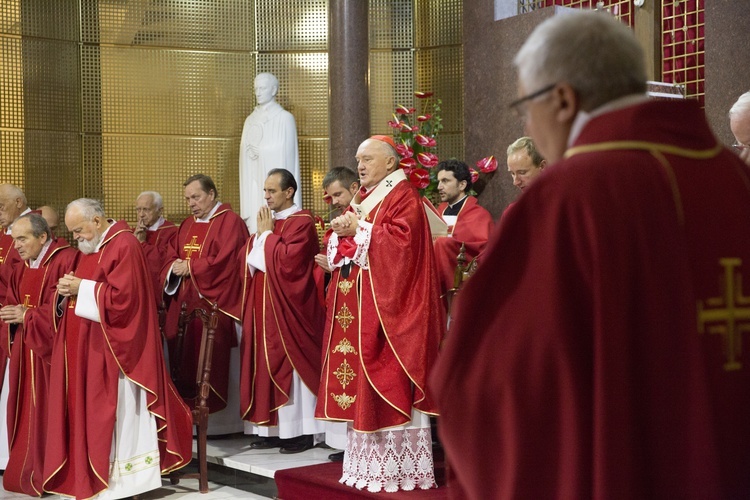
739, 146
521, 110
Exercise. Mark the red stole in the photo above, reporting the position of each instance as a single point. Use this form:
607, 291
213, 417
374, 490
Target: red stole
155, 249
8, 259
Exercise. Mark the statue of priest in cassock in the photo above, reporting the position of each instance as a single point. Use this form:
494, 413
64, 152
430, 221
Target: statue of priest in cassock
116, 422
384, 323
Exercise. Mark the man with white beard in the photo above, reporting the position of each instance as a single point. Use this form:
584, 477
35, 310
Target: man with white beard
116, 423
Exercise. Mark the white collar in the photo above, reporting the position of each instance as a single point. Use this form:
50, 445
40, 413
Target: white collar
451, 205
157, 224
104, 235
34, 264
210, 214
285, 213
583, 117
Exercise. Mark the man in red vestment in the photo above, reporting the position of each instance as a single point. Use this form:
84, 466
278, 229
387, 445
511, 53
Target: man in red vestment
201, 270
469, 224
12, 205
282, 322
28, 313
115, 420
597, 353
156, 235
52, 218
384, 322
739, 122
524, 164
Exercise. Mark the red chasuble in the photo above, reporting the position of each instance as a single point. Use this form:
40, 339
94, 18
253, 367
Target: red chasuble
282, 323
87, 359
472, 227
156, 249
8, 259
597, 353
29, 367
382, 335
212, 250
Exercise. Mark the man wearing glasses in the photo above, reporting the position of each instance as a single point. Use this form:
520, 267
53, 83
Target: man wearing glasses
598, 350
739, 122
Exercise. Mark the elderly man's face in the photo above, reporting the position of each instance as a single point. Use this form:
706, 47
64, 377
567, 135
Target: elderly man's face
372, 163
740, 125
88, 232
199, 201
548, 118
10, 210
522, 169
146, 210
28, 245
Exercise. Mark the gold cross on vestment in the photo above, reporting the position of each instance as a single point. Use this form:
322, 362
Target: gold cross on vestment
26, 302
191, 247
726, 317
1, 255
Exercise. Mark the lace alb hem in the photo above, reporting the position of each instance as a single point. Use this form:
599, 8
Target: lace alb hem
389, 460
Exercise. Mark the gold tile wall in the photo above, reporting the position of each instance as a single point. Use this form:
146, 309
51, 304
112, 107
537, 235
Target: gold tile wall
107, 98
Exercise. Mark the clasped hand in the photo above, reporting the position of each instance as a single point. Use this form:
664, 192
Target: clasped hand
265, 220
68, 285
180, 268
12, 314
345, 224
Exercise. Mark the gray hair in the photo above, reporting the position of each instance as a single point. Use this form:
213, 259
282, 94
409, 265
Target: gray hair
526, 144
593, 52
741, 106
38, 224
154, 196
387, 149
88, 207
10, 191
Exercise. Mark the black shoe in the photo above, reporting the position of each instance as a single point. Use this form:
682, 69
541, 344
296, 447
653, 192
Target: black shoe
266, 443
296, 445
336, 457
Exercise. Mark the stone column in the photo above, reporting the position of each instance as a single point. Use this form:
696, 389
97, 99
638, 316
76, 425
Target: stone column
348, 80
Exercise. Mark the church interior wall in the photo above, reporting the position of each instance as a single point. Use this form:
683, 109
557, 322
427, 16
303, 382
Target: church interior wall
108, 98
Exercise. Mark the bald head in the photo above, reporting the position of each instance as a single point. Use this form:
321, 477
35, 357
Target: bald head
50, 215
12, 204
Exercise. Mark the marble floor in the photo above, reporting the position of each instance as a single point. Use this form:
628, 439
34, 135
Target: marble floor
235, 471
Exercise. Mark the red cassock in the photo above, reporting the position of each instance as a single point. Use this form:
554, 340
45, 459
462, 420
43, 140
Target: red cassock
212, 250
282, 323
156, 249
8, 259
87, 359
472, 228
596, 354
29, 366
384, 325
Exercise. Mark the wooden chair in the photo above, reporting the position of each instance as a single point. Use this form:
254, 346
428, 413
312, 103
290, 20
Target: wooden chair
200, 392
464, 270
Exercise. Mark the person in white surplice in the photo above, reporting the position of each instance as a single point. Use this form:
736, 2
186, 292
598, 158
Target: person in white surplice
269, 140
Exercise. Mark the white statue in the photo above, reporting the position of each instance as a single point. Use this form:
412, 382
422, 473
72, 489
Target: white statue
269, 140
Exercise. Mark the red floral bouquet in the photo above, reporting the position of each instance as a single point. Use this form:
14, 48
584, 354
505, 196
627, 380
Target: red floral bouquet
415, 135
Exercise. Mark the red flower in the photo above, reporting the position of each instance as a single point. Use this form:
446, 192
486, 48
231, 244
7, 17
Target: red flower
408, 162
395, 123
474, 175
429, 160
403, 110
423, 95
406, 128
487, 165
327, 198
423, 140
424, 118
404, 151
420, 178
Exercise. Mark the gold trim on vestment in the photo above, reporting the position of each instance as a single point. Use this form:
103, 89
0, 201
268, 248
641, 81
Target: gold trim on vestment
645, 146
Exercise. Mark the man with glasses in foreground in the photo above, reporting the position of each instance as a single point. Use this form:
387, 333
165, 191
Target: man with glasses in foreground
597, 353
739, 122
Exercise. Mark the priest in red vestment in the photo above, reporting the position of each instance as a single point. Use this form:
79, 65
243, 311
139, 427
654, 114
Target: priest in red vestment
116, 422
282, 323
598, 352
201, 270
384, 322
156, 235
469, 224
28, 313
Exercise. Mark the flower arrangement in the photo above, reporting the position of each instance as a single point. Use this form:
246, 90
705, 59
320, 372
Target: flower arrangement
416, 136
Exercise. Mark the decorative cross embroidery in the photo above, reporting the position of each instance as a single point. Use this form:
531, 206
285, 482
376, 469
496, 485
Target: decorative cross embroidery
345, 286
344, 317
345, 374
358, 210
191, 247
728, 320
345, 347
26, 302
389, 183
2, 259
344, 400
72, 302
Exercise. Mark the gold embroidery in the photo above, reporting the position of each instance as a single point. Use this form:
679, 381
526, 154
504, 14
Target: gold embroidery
26, 303
345, 347
1, 257
191, 247
72, 302
345, 374
344, 400
724, 309
345, 286
344, 317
